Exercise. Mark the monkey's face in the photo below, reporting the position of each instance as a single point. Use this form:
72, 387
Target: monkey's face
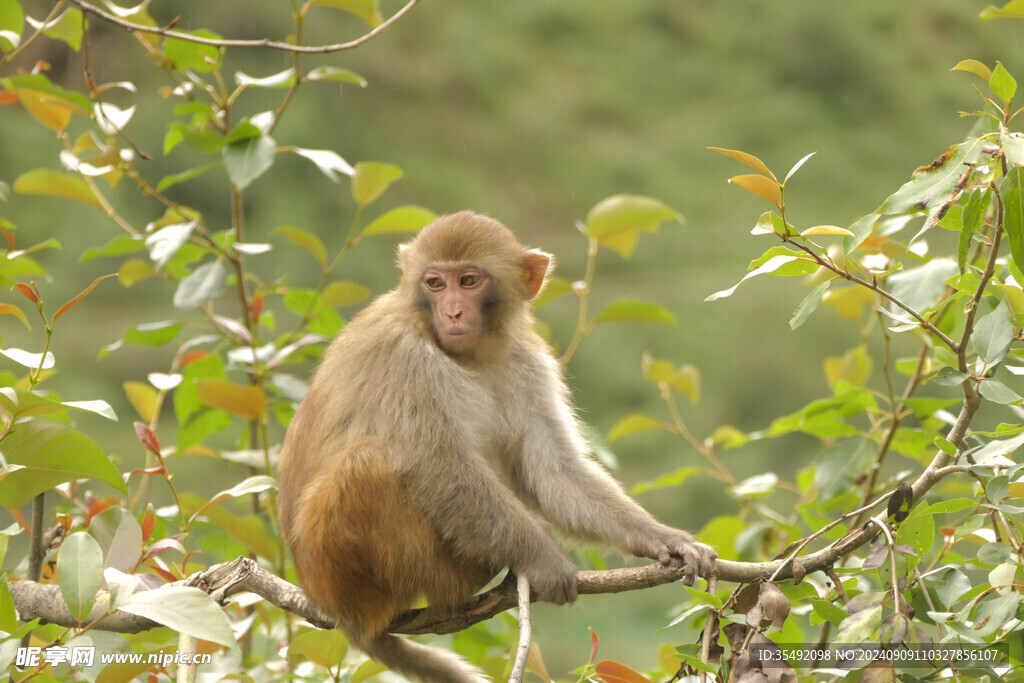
456, 295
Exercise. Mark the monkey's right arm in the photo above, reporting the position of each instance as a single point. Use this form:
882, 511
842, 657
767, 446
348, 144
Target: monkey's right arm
479, 517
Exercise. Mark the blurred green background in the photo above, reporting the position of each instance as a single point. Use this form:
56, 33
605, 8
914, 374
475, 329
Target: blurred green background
533, 111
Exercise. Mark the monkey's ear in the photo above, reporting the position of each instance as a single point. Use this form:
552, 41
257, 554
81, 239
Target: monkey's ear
535, 268
403, 256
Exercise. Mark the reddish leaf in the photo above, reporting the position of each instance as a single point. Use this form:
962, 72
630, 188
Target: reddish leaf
192, 357
594, 643
148, 522
66, 307
149, 471
256, 308
95, 506
613, 672
31, 293
147, 437
8, 97
9, 234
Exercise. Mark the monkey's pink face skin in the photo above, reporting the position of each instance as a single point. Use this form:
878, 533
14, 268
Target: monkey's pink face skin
456, 293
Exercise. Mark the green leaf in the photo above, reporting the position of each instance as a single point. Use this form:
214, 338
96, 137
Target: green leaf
205, 140
306, 240
997, 392
633, 424
975, 67
24, 403
169, 181
196, 431
185, 610
326, 648
367, 10
934, 184
134, 271
79, 570
861, 230
781, 264
949, 377
372, 179
841, 465
118, 246
1013, 147
66, 28
669, 480
1002, 83
631, 310
616, 222
404, 219
248, 159
685, 379
51, 453
973, 214
808, 305
1012, 191
186, 396
554, 288
343, 293
207, 282
920, 288
184, 54
12, 22
333, 73
247, 529
153, 334
1011, 10
44, 182
992, 335
119, 536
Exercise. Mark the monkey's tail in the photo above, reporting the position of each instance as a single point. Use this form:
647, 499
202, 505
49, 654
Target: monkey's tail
421, 662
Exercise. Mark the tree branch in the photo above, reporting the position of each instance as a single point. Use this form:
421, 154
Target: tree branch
89, 8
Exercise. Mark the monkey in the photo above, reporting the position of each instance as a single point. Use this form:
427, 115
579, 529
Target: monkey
437, 446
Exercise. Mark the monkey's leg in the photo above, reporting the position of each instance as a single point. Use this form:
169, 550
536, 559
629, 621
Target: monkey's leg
365, 554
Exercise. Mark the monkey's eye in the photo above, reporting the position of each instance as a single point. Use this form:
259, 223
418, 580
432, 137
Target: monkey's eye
469, 280
434, 282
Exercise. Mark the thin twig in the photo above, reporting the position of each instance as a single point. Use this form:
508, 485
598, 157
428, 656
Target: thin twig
525, 630
166, 32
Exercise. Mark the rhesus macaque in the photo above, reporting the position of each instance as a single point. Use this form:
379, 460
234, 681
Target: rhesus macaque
436, 444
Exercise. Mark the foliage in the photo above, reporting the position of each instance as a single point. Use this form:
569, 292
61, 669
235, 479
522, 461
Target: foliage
931, 282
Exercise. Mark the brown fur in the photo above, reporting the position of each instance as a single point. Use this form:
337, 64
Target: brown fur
410, 472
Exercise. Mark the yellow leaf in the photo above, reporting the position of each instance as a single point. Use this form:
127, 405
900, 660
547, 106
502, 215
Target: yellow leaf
826, 230
849, 302
761, 186
52, 112
854, 366
248, 402
748, 159
143, 398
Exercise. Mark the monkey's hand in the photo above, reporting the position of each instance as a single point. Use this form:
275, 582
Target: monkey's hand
552, 576
676, 548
